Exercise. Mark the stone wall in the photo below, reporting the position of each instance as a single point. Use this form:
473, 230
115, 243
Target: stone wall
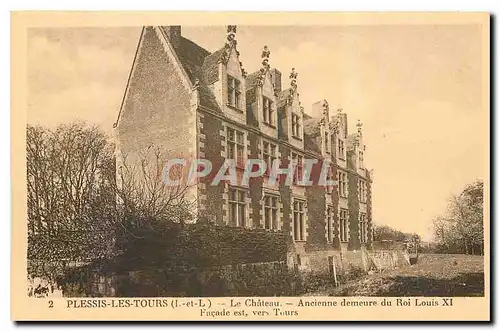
157, 121
176, 259
211, 142
251, 279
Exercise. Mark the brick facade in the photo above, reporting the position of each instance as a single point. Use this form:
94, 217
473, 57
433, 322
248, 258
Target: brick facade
188, 101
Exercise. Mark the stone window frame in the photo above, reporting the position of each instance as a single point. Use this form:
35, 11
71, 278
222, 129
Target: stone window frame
341, 149
330, 175
343, 186
277, 208
298, 172
362, 191
328, 150
330, 222
268, 112
244, 143
363, 228
361, 159
344, 225
265, 156
303, 220
296, 125
238, 202
234, 93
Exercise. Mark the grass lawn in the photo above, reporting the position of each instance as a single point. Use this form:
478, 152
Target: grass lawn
433, 275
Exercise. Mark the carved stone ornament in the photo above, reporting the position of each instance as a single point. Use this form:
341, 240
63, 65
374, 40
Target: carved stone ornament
325, 108
293, 79
265, 58
359, 125
231, 34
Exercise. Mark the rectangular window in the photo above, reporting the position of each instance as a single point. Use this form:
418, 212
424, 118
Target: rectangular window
329, 223
344, 224
267, 111
330, 177
362, 191
299, 167
236, 146
361, 160
233, 92
327, 143
363, 228
299, 220
271, 212
343, 188
296, 125
237, 206
269, 154
341, 149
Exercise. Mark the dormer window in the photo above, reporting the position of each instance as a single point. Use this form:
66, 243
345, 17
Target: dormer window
267, 111
330, 176
341, 150
299, 167
362, 191
343, 184
233, 92
295, 125
327, 144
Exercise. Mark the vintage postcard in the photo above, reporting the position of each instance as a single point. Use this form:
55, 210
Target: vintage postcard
286, 167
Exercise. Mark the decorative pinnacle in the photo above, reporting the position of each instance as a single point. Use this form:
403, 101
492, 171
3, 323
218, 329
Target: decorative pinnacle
231, 34
293, 79
265, 58
338, 120
359, 125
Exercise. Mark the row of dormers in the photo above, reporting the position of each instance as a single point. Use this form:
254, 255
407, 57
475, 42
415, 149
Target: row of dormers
258, 100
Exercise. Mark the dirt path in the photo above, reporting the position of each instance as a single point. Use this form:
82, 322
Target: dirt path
433, 275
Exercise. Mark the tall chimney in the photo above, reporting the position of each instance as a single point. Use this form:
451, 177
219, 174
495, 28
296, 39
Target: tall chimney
276, 79
321, 110
173, 34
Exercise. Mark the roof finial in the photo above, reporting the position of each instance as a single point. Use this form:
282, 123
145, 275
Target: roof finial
231, 34
265, 58
359, 125
293, 79
326, 108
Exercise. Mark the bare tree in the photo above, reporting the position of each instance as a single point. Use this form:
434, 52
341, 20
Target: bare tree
70, 206
142, 191
461, 228
80, 203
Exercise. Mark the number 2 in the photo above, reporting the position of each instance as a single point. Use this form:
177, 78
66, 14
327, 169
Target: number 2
51, 304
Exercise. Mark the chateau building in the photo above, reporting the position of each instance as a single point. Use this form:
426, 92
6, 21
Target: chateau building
197, 104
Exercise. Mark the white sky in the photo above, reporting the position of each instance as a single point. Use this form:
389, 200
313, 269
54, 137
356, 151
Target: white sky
417, 89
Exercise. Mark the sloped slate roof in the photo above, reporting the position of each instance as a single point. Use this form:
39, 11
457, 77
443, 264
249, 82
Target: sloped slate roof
311, 144
312, 126
351, 140
192, 57
210, 66
283, 96
312, 133
251, 82
203, 66
252, 79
